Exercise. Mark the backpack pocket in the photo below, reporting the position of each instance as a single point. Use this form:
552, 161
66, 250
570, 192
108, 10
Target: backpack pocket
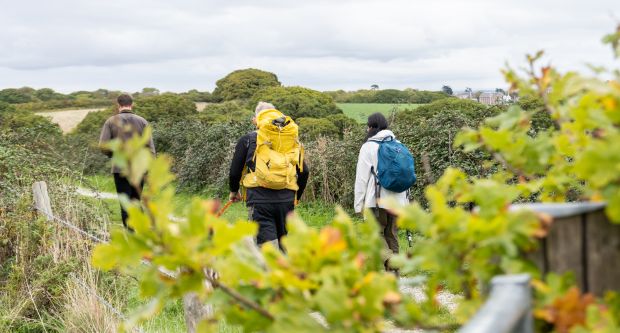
274, 170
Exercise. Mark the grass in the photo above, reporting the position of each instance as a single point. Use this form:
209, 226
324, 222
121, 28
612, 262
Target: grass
315, 214
361, 111
101, 183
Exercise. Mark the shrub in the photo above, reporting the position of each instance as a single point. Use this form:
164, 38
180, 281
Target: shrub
230, 111
541, 119
297, 102
430, 131
206, 161
86, 155
344, 124
175, 138
198, 96
332, 164
312, 128
166, 106
243, 84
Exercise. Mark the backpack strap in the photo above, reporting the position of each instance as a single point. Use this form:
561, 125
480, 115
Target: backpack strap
377, 185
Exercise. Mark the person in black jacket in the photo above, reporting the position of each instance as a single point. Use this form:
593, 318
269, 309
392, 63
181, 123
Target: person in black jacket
267, 207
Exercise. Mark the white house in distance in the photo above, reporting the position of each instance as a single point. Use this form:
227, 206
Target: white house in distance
485, 97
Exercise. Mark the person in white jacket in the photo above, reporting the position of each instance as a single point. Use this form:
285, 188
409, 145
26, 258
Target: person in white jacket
366, 184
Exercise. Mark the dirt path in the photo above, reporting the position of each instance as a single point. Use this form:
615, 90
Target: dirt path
67, 119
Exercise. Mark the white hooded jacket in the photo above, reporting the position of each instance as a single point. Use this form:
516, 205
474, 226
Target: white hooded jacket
364, 180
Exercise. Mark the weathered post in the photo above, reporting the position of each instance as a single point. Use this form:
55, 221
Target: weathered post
42, 200
195, 311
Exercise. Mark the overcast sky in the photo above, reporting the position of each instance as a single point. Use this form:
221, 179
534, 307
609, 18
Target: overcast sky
71, 45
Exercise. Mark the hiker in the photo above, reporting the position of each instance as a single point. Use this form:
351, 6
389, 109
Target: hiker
384, 171
269, 164
124, 125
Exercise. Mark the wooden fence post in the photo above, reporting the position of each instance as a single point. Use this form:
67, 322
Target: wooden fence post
42, 200
195, 311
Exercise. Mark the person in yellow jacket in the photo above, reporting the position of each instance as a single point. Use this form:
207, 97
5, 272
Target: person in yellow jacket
269, 164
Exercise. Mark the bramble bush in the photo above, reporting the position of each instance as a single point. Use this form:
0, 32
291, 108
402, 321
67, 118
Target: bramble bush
206, 161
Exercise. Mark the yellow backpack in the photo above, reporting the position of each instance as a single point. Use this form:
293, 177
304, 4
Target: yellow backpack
278, 153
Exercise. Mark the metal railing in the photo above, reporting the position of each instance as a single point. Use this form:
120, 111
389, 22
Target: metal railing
508, 308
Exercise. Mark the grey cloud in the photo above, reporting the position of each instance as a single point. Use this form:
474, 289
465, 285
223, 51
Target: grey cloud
319, 43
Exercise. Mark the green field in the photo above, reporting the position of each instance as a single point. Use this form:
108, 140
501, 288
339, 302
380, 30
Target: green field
361, 111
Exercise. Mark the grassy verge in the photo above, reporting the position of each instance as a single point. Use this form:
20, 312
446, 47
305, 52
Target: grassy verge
361, 111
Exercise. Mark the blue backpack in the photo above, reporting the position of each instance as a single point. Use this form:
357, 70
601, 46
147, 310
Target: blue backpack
396, 167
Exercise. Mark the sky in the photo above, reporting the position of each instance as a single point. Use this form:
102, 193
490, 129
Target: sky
71, 45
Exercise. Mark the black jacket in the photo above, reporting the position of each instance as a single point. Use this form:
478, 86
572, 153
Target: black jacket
243, 157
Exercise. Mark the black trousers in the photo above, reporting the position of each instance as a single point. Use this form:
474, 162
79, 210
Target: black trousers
389, 233
123, 186
271, 219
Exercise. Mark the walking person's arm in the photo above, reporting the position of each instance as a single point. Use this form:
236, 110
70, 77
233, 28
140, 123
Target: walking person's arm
151, 143
362, 177
104, 137
302, 180
236, 168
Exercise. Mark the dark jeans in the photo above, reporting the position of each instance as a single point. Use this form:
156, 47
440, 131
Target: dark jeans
123, 186
388, 229
271, 219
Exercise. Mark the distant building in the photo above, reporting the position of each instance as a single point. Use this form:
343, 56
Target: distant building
491, 98
488, 97
465, 95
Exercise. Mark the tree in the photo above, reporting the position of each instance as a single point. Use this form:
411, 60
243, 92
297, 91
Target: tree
243, 84
392, 96
149, 92
47, 94
500, 90
374, 87
15, 96
477, 95
297, 101
447, 90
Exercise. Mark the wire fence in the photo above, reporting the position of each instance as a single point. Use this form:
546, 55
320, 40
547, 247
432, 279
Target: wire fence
46, 211
71, 226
